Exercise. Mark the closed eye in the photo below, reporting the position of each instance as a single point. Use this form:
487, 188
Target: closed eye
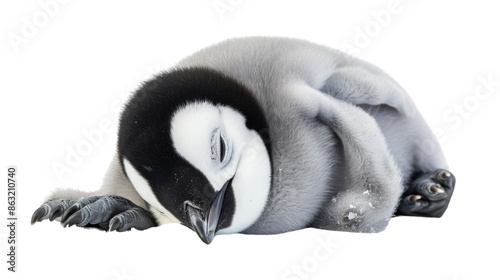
222, 148
219, 147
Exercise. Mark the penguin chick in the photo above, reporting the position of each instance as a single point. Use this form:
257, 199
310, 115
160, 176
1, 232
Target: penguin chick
263, 136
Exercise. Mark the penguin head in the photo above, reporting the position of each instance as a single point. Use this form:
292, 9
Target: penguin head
190, 141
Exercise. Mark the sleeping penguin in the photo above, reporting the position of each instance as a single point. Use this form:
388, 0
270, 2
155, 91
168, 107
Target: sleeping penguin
265, 136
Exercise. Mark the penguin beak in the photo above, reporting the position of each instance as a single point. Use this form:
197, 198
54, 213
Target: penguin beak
205, 222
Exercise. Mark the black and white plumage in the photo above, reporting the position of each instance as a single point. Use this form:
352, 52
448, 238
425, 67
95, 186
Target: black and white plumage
263, 136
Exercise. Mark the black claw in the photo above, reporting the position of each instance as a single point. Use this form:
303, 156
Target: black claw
70, 211
39, 213
74, 219
445, 178
115, 224
56, 212
444, 175
435, 189
414, 198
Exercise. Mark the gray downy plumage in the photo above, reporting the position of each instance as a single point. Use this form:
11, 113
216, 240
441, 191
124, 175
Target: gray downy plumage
346, 139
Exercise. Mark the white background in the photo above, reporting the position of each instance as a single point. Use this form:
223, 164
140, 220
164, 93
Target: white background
85, 57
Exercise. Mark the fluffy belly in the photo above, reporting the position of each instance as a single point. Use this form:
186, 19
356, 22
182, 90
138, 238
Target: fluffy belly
304, 157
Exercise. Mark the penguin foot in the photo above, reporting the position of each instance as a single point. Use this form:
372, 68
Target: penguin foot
429, 195
108, 212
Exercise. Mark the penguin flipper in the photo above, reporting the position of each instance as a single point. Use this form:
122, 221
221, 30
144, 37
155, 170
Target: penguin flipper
373, 180
361, 83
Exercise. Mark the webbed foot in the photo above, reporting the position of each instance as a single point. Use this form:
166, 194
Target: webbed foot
429, 195
109, 212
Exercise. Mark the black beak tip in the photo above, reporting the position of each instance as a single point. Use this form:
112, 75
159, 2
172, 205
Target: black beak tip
199, 225
205, 224
207, 239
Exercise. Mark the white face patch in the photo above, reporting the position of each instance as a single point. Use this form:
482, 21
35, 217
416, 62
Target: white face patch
141, 185
192, 133
216, 141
